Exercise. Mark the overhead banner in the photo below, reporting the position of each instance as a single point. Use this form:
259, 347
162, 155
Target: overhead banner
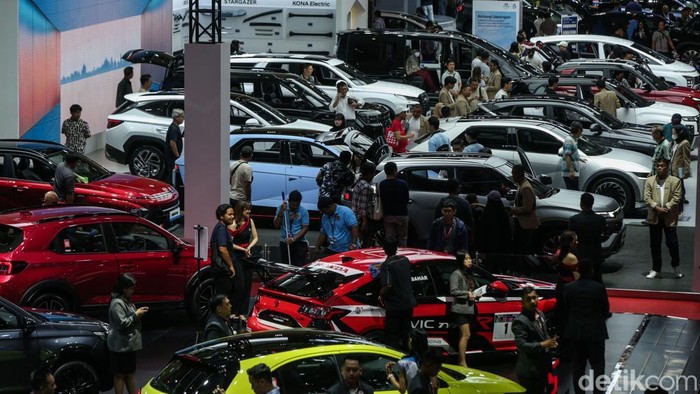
496, 21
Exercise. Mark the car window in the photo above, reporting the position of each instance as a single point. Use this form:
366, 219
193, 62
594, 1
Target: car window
430, 51
491, 137
136, 237
155, 108
306, 154
538, 141
432, 179
367, 294
264, 151
32, 169
87, 169
318, 280
373, 370
188, 376
238, 117
10, 238
442, 271
585, 49
8, 320
88, 238
311, 375
568, 115
421, 283
479, 180
325, 75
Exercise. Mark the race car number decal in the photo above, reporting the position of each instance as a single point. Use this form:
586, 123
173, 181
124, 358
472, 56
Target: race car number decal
502, 326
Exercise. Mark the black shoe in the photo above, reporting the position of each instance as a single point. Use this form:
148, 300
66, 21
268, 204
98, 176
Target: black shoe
686, 201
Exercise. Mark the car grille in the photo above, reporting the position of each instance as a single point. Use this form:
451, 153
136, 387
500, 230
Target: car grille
278, 318
692, 81
161, 215
164, 196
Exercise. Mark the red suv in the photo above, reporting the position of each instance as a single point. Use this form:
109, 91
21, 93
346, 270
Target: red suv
68, 258
27, 169
340, 293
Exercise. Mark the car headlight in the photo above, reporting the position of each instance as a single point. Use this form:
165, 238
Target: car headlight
607, 215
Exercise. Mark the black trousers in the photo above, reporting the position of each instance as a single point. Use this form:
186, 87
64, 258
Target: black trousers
522, 240
592, 352
655, 231
397, 327
534, 384
242, 282
298, 251
571, 184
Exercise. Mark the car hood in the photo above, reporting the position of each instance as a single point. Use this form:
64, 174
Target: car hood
469, 380
570, 200
524, 282
70, 320
682, 68
670, 108
309, 125
131, 184
393, 87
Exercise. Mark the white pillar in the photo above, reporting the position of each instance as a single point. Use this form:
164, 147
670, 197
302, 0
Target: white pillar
9, 64
207, 114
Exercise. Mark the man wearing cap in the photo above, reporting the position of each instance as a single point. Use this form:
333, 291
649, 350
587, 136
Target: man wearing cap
345, 104
338, 227
241, 177
564, 50
668, 127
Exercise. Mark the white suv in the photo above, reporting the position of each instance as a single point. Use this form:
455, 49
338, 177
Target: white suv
327, 71
136, 131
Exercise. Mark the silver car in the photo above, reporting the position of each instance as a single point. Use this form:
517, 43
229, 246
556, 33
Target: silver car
612, 172
427, 175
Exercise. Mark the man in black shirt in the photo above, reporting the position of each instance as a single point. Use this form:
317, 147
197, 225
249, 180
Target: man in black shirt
423, 382
464, 209
218, 325
396, 296
393, 193
221, 252
124, 87
173, 144
589, 227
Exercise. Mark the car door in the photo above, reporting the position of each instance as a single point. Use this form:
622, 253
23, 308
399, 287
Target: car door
567, 114
431, 312
313, 374
26, 180
19, 349
145, 252
494, 138
79, 255
426, 185
305, 162
269, 171
542, 149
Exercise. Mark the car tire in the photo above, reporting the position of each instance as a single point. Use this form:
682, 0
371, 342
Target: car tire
690, 55
52, 301
198, 304
617, 189
147, 161
78, 377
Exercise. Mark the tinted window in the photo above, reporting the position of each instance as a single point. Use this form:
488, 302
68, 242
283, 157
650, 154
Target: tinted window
136, 237
155, 108
538, 141
479, 180
310, 375
10, 238
431, 179
86, 169
568, 115
367, 294
306, 154
31, 169
421, 283
80, 239
182, 376
8, 320
443, 270
319, 280
374, 370
492, 137
264, 151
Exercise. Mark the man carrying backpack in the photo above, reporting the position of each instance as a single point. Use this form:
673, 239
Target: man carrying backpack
334, 177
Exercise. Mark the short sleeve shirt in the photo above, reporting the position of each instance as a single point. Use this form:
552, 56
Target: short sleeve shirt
437, 140
173, 134
64, 181
239, 180
338, 228
396, 272
294, 220
570, 149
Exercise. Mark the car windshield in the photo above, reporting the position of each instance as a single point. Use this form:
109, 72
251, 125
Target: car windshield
629, 95
10, 238
355, 76
541, 190
316, 280
652, 53
609, 120
316, 96
192, 375
647, 76
269, 114
86, 169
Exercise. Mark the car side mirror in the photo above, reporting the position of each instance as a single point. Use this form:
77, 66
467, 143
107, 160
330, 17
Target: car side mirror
560, 152
252, 122
498, 288
545, 179
28, 326
510, 194
647, 87
595, 127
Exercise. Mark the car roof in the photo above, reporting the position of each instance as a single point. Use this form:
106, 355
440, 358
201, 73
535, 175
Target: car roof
363, 257
288, 56
256, 344
452, 158
550, 98
178, 94
28, 144
585, 37
58, 212
600, 62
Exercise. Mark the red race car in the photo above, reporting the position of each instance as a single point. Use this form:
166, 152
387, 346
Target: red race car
340, 293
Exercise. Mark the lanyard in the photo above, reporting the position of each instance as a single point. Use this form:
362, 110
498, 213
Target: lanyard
447, 232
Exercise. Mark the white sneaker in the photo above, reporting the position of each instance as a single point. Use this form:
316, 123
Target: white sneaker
677, 272
653, 274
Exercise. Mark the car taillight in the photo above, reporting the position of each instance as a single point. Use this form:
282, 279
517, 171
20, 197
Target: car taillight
460, 8
12, 267
321, 312
113, 123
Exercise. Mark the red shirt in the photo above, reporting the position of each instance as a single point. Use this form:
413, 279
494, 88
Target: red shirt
398, 146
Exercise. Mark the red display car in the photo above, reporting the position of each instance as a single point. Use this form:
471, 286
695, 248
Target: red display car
69, 257
340, 293
27, 169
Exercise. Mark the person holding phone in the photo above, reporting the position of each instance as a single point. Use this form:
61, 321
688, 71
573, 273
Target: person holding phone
345, 103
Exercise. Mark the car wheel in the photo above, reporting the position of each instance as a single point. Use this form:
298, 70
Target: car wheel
147, 161
52, 301
77, 377
616, 188
690, 55
198, 305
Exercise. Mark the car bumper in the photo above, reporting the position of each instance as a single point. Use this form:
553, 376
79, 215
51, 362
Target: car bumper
115, 154
615, 242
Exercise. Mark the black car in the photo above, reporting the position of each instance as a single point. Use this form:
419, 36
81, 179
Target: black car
73, 346
687, 41
598, 126
382, 54
606, 23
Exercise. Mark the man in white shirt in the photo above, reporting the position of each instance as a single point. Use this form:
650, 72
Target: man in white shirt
417, 123
506, 86
345, 104
450, 72
481, 61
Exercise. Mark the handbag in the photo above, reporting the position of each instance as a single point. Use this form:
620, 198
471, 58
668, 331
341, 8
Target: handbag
378, 212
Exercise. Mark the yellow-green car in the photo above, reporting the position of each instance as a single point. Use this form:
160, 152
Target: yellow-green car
302, 361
